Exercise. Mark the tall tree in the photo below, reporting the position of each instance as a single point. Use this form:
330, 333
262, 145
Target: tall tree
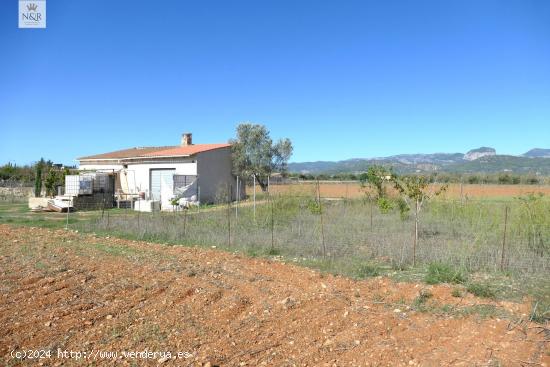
255, 154
38, 177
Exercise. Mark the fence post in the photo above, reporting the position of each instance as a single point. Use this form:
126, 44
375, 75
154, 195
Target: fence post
504, 238
237, 199
68, 210
229, 189
199, 197
272, 224
254, 197
321, 219
185, 222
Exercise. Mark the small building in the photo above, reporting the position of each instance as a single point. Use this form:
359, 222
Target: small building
201, 172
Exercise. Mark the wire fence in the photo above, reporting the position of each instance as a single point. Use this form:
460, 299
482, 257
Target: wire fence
479, 235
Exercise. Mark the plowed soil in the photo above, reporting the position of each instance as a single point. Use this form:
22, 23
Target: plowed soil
62, 290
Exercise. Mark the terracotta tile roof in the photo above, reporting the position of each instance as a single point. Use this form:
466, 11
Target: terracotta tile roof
184, 151
167, 151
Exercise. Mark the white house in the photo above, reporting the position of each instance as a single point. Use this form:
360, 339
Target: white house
204, 171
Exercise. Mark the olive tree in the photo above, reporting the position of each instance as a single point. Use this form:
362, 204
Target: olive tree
255, 154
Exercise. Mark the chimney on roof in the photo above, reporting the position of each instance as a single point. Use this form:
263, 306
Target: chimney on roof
186, 139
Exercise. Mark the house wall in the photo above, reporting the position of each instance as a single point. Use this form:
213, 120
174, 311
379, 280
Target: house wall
213, 167
215, 174
183, 166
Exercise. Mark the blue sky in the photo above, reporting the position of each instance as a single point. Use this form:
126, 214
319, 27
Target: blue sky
341, 79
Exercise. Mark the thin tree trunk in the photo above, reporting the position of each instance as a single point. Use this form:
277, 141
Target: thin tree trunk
415, 231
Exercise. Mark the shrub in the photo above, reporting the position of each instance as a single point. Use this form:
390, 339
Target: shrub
314, 206
403, 208
385, 205
443, 273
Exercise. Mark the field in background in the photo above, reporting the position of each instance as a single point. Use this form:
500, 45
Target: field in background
353, 190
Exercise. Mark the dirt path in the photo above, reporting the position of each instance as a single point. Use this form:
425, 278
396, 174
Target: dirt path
63, 290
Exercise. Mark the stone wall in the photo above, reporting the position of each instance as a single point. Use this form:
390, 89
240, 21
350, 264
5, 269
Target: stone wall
17, 192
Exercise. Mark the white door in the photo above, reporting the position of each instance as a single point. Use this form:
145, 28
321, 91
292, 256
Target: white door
162, 184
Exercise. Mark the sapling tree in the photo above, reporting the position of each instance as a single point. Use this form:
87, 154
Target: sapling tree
374, 183
415, 191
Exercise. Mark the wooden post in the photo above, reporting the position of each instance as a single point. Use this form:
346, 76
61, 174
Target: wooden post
504, 238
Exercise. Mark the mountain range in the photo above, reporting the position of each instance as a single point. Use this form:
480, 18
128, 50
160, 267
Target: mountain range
484, 159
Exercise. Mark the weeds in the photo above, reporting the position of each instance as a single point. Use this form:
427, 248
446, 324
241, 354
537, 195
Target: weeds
368, 271
443, 273
457, 292
481, 290
419, 302
540, 312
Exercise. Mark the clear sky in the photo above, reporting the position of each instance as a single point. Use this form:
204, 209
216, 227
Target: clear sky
341, 79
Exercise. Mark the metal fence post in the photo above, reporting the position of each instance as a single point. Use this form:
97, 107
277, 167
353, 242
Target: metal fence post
504, 238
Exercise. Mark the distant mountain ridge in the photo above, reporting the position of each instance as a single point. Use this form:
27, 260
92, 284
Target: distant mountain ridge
537, 153
484, 159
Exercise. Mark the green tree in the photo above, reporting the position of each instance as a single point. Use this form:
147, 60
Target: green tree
54, 178
255, 154
375, 179
373, 183
415, 191
38, 177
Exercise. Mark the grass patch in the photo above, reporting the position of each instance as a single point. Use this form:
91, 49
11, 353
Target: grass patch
540, 312
273, 252
483, 311
367, 271
457, 292
481, 290
443, 273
